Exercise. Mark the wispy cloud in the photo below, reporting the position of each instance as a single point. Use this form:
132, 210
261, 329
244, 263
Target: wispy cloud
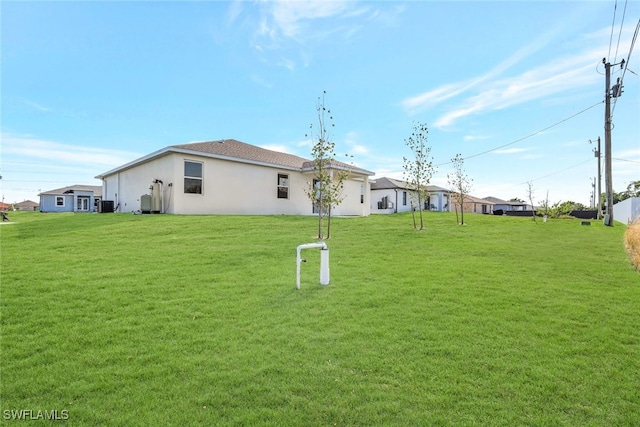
423, 101
540, 82
489, 91
30, 147
36, 106
511, 150
306, 23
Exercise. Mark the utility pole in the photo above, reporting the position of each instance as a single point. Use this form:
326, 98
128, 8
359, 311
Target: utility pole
608, 180
597, 154
593, 192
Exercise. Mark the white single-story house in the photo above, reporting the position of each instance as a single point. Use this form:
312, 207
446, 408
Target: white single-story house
627, 210
74, 198
226, 177
389, 195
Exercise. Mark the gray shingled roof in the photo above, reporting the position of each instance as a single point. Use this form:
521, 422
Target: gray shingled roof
241, 150
96, 189
385, 183
234, 150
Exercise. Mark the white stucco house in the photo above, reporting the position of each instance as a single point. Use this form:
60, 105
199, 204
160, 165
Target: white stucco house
389, 195
226, 177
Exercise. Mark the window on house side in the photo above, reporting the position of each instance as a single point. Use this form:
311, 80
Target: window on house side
59, 201
192, 177
404, 198
283, 186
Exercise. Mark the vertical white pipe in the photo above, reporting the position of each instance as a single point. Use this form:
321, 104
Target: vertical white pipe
324, 266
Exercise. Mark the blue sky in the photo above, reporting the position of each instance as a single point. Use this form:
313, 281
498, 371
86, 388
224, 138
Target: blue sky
88, 86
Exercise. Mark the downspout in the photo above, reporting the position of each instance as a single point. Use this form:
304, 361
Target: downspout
395, 207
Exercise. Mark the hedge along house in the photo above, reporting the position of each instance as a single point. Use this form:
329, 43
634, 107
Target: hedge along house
226, 177
74, 198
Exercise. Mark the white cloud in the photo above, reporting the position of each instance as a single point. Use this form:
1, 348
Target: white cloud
489, 92
548, 79
281, 148
30, 147
290, 15
511, 150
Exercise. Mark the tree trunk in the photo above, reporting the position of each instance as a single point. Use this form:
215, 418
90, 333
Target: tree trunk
329, 222
420, 212
413, 216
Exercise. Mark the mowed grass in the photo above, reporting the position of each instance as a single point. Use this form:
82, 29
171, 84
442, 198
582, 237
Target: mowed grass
129, 320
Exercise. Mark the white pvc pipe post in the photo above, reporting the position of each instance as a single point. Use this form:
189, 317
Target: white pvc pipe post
323, 246
324, 266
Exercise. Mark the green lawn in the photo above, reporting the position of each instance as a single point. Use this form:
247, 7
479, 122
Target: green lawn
131, 320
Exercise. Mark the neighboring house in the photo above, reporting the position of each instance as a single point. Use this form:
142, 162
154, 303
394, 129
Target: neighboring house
474, 204
389, 195
75, 198
627, 210
27, 205
226, 177
507, 206
5, 207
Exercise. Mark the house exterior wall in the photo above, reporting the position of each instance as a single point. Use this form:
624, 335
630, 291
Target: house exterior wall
627, 210
439, 201
476, 207
394, 196
125, 188
48, 202
228, 187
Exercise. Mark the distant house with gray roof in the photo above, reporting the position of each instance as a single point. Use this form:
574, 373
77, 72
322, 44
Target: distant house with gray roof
226, 177
74, 198
508, 205
27, 205
389, 195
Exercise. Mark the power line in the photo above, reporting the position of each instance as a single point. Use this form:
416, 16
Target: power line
626, 65
624, 12
556, 172
625, 160
613, 23
528, 136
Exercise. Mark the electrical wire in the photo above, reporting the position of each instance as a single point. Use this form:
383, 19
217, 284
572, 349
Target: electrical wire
526, 137
556, 172
613, 23
624, 12
626, 64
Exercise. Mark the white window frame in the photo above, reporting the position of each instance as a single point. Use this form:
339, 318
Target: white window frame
283, 185
61, 198
200, 178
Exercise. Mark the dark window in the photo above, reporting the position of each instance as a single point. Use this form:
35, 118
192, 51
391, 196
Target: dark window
192, 177
59, 201
404, 198
283, 186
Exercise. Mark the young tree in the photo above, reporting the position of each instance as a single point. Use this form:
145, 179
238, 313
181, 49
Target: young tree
419, 169
325, 190
530, 192
460, 185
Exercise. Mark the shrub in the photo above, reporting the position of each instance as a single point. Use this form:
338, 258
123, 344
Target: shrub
632, 243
